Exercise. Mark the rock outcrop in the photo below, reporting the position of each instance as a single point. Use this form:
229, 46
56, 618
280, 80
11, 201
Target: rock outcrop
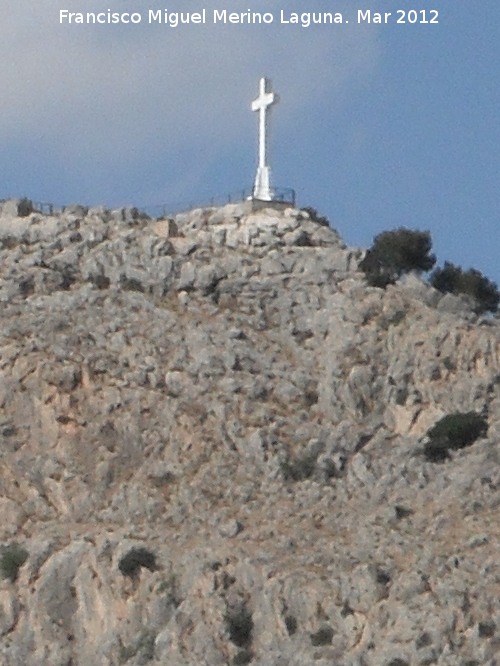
212, 449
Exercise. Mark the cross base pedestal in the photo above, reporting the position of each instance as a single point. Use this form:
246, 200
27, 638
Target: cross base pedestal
262, 189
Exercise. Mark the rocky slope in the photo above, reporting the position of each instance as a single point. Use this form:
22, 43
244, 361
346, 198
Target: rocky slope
212, 440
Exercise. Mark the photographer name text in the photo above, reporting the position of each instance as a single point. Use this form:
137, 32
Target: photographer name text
175, 19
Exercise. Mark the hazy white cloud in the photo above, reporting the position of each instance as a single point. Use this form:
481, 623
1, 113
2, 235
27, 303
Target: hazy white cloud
118, 92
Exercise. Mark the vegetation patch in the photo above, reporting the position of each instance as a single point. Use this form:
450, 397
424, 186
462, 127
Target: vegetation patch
395, 253
299, 469
453, 432
322, 637
100, 281
316, 217
452, 279
25, 207
131, 284
486, 629
12, 558
291, 624
239, 624
131, 563
242, 657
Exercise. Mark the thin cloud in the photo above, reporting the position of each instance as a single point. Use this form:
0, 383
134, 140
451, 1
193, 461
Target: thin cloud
119, 93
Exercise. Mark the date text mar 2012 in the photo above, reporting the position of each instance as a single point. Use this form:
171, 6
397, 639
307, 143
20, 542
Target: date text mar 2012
410, 16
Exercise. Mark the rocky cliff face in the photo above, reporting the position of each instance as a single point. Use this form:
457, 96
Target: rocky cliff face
212, 440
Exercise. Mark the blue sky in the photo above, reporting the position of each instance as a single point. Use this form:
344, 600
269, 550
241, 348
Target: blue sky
378, 126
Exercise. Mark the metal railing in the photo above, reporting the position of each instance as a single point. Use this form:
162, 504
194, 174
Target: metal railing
280, 195
47, 208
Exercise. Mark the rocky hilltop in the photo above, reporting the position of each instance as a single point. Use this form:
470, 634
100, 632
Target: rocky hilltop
213, 449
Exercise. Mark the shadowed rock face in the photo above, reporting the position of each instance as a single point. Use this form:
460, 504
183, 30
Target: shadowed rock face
212, 440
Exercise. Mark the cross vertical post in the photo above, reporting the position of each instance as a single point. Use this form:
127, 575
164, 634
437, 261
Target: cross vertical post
262, 188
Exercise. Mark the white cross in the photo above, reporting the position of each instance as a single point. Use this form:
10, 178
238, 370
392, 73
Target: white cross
264, 101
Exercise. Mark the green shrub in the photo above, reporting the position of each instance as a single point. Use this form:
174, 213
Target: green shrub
131, 284
299, 469
24, 207
27, 286
452, 432
315, 216
100, 281
239, 624
486, 629
291, 624
322, 637
396, 252
12, 558
136, 558
242, 658
452, 279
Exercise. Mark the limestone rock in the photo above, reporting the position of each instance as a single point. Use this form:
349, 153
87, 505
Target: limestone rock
212, 441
